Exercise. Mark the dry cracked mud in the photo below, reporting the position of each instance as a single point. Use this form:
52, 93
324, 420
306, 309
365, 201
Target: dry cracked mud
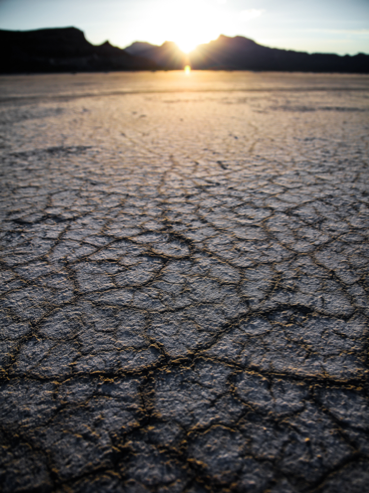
184, 295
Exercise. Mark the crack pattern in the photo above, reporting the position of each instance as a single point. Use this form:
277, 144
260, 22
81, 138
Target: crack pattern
184, 297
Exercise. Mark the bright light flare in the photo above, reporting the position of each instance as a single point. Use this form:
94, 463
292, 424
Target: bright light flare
186, 44
187, 70
190, 23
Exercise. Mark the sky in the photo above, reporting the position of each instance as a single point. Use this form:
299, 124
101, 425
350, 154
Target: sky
326, 26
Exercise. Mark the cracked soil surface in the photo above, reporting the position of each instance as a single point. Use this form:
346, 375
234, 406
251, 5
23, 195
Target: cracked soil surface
184, 295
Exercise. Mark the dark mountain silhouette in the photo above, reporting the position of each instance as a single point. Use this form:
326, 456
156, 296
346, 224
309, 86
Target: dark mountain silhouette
138, 47
67, 50
167, 56
240, 53
62, 50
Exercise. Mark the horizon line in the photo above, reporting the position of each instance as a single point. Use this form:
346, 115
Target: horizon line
173, 42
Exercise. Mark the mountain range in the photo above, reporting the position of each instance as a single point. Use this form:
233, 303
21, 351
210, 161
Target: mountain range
67, 50
62, 50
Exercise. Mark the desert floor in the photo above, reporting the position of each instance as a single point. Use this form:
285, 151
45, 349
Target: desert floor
184, 267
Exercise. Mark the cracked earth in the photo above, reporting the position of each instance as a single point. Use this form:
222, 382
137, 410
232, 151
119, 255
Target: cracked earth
184, 295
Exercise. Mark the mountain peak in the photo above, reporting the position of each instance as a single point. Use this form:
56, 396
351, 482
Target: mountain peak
138, 47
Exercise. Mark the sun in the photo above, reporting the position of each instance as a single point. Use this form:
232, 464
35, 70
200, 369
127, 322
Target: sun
186, 44
189, 22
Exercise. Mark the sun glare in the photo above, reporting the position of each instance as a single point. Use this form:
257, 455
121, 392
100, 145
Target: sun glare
187, 70
189, 23
186, 44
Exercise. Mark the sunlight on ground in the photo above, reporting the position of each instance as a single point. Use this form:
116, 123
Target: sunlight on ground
187, 70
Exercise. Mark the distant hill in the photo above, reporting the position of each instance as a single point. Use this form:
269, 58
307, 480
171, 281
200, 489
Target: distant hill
138, 47
241, 53
167, 56
67, 50
62, 50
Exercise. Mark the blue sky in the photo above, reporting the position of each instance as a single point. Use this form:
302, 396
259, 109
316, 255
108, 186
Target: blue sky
339, 26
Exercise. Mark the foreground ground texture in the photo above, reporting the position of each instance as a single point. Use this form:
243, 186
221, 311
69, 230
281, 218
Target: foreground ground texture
184, 283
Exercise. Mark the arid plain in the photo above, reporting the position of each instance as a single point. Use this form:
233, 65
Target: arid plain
184, 295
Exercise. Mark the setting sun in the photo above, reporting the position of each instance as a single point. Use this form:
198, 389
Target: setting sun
187, 43
190, 23
187, 69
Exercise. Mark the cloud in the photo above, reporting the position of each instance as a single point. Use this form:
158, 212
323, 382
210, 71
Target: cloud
249, 14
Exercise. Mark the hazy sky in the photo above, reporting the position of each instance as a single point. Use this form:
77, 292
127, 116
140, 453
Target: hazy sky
336, 26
